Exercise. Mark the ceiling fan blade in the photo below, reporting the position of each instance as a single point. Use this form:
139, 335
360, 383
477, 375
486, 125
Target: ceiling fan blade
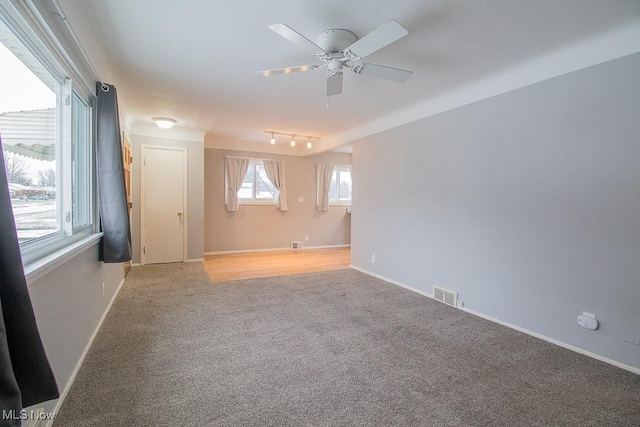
387, 73
382, 36
334, 85
296, 38
288, 70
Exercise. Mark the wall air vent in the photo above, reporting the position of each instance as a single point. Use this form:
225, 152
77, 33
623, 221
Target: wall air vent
296, 245
445, 295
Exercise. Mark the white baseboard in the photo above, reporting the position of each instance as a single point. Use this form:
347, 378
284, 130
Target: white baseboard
510, 325
189, 260
393, 282
347, 245
248, 251
554, 341
67, 387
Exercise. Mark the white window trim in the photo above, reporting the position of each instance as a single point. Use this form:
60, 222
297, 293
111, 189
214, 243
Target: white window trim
44, 265
66, 160
251, 202
341, 203
89, 158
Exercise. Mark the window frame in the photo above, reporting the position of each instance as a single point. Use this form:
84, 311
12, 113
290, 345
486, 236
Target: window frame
88, 156
254, 200
338, 202
24, 21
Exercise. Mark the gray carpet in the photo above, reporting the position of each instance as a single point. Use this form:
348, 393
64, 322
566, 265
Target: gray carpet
331, 349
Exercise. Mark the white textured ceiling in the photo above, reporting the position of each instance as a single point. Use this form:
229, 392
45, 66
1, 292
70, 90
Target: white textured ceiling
196, 60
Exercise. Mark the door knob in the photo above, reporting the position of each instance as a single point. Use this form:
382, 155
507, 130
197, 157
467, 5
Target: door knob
180, 214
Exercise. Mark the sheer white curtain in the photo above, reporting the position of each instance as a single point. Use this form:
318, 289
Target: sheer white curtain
325, 173
275, 173
236, 169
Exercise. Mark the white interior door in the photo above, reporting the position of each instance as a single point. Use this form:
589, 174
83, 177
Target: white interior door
163, 204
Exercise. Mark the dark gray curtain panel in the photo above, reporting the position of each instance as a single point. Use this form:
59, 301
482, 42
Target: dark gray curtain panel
114, 213
26, 377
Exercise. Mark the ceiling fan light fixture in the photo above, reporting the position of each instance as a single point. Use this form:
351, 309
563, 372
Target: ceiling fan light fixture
164, 122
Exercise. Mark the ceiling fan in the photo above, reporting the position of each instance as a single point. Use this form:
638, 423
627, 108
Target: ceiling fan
338, 49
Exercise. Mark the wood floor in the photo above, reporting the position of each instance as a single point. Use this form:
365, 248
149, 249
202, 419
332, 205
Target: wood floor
265, 264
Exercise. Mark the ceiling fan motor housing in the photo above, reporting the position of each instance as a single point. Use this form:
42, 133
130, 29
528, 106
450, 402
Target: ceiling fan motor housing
336, 40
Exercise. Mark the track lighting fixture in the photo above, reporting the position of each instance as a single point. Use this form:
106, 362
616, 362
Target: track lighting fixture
293, 138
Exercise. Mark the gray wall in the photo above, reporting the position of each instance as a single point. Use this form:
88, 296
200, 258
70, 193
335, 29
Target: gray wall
527, 204
68, 305
265, 227
195, 184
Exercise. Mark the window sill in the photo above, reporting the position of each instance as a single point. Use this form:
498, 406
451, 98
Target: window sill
39, 268
256, 203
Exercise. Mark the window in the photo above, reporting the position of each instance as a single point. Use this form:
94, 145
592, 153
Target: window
81, 162
340, 190
47, 137
256, 186
28, 116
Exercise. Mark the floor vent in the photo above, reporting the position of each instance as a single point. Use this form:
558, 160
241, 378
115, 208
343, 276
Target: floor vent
445, 295
296, 245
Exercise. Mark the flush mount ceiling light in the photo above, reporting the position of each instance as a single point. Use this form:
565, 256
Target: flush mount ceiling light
164, 122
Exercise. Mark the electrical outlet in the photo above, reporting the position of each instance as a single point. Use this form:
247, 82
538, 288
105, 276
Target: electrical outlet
373, 258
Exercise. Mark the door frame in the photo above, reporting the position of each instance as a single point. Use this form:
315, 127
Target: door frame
127, 155
185, 156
